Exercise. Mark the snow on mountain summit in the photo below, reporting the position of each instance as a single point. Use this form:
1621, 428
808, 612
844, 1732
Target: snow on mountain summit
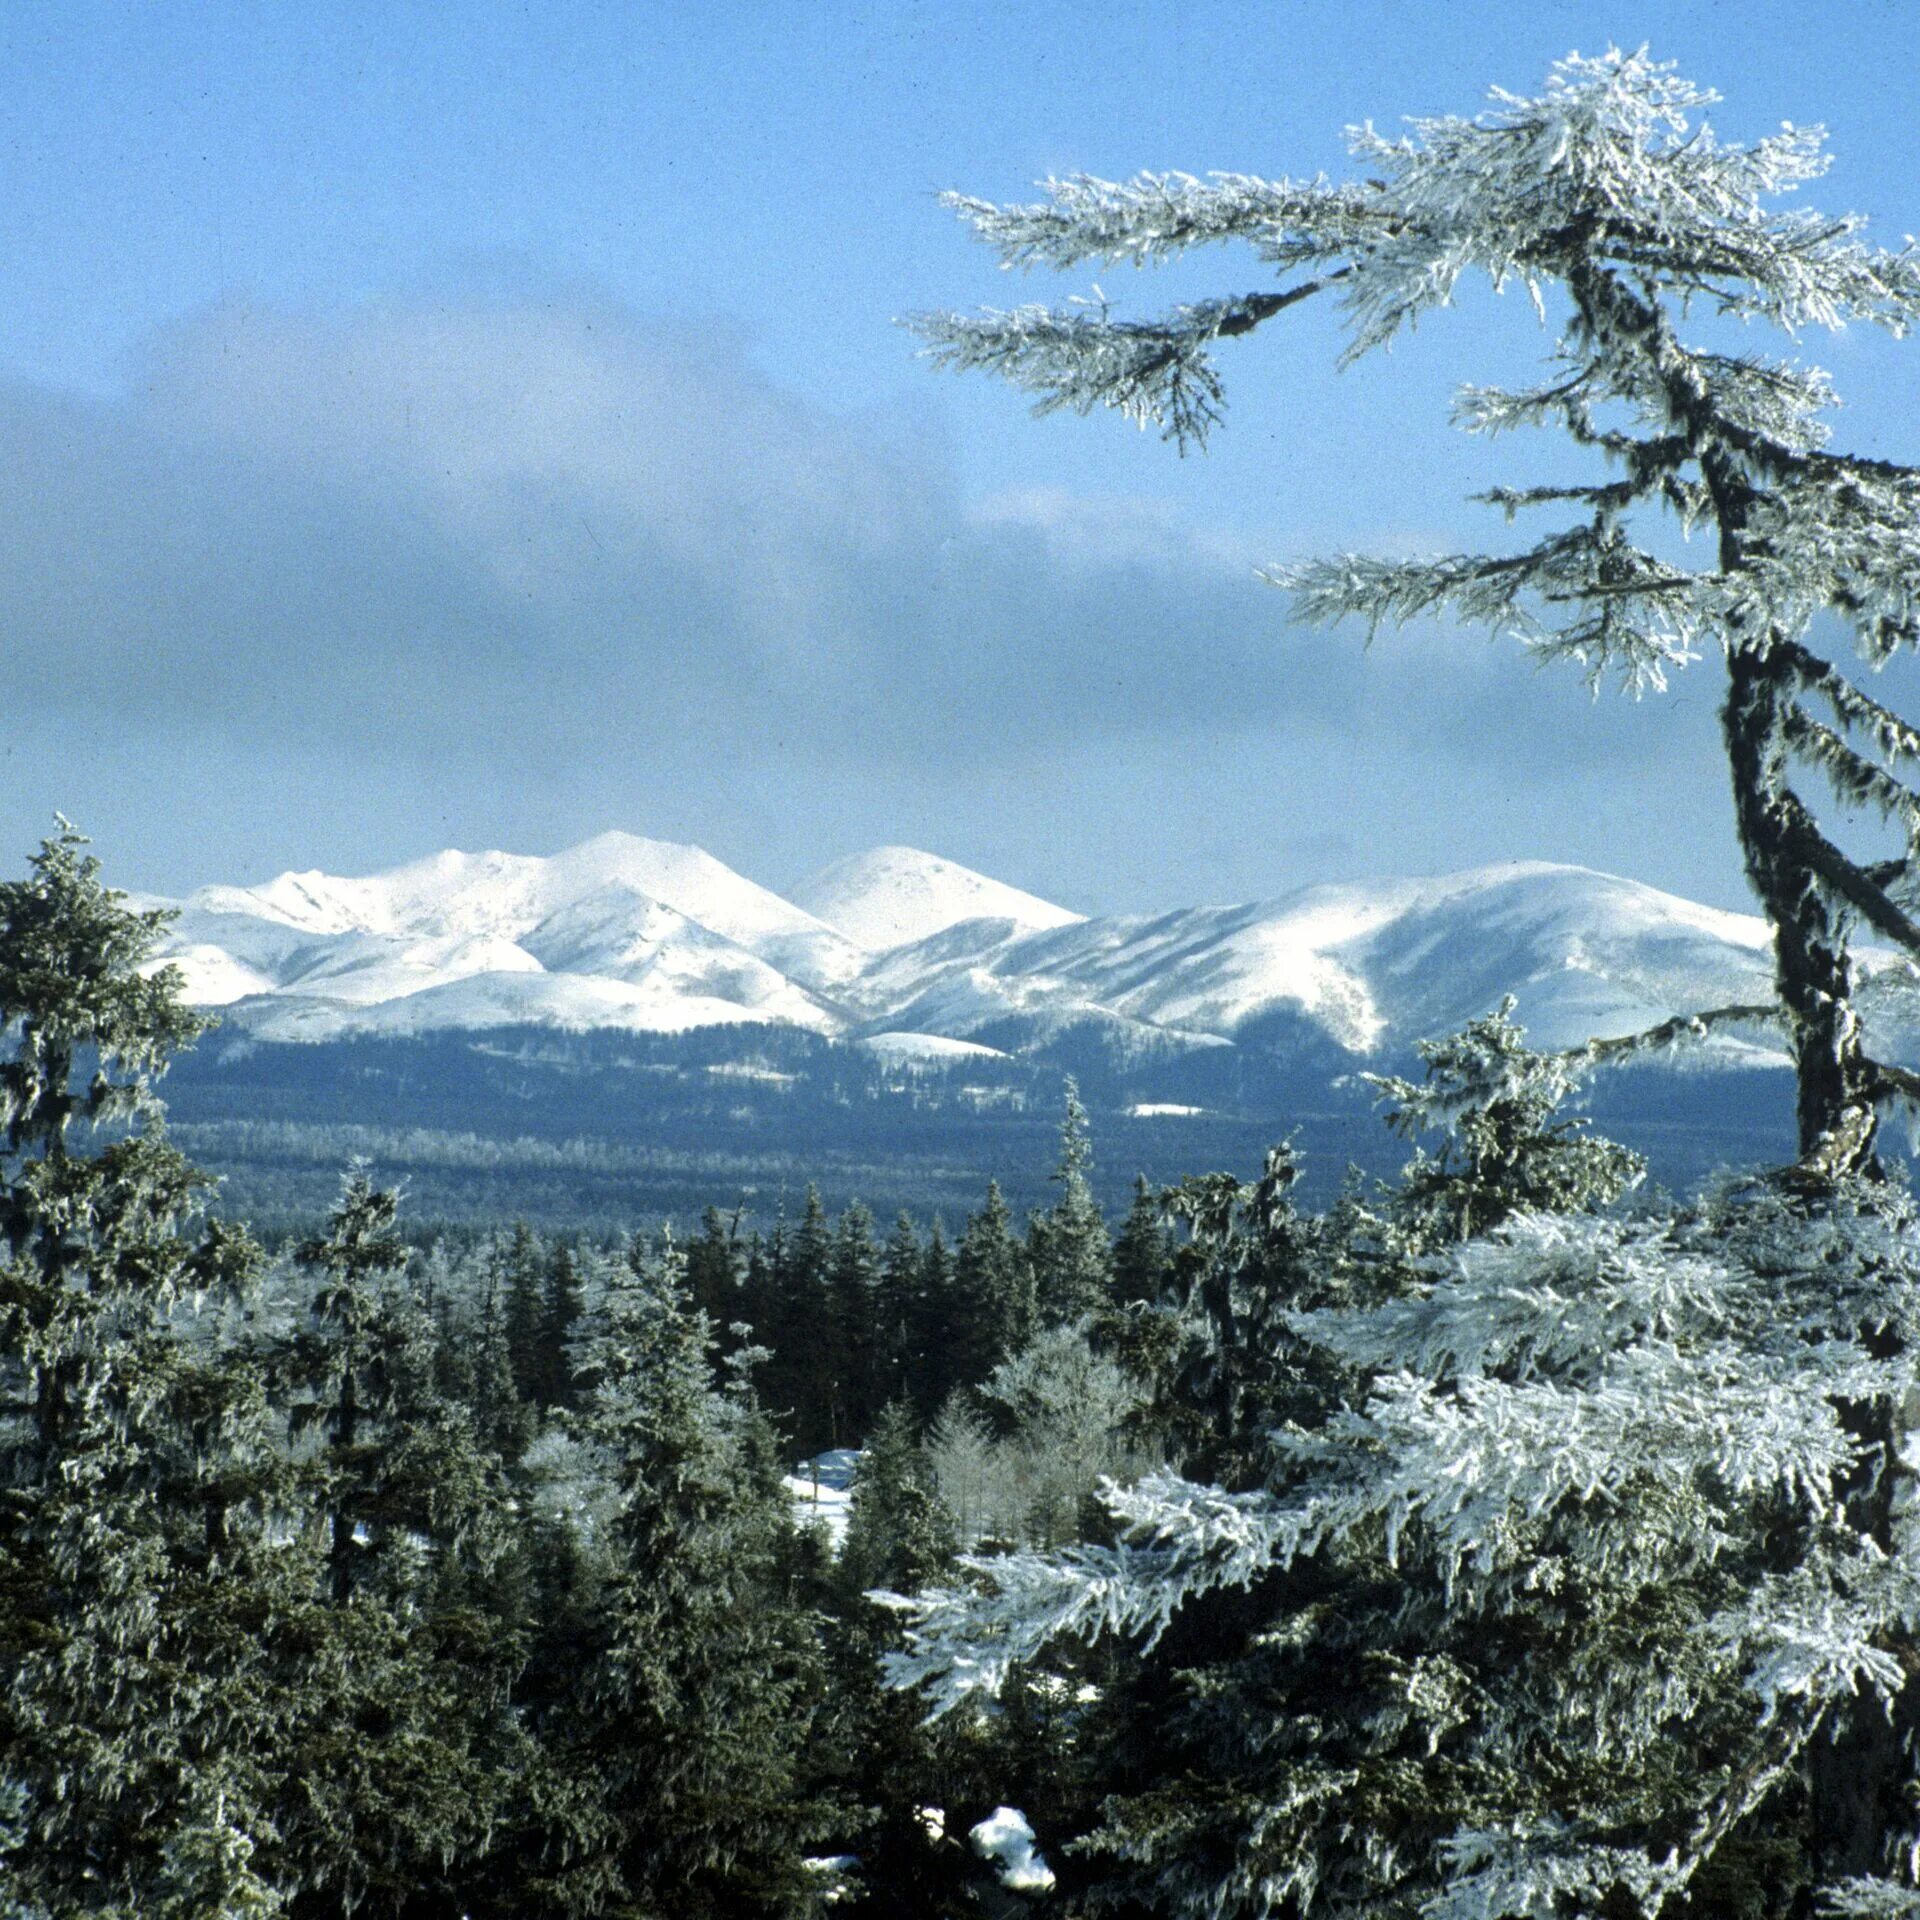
508, 894
918, 954
889, 896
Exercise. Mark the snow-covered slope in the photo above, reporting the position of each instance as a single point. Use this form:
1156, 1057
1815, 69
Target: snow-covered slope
619, 931
640, 934
891, 895
506, 895
1368, 966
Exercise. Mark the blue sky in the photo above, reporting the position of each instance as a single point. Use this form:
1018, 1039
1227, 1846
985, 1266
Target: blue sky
484, 425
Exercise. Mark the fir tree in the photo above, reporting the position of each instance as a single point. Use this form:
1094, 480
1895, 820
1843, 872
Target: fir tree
853, 1282
808, 1373
504, 1420
1542, 1571
1143, 1254
1068, 1248
693, 1720
522, 1264
561, 1305
1505, 1144
1602, 197
993, 1295
932, 1369
896, 1311
125, 1455
711, 1272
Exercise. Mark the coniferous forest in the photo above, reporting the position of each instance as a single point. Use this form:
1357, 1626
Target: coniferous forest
1503, 1538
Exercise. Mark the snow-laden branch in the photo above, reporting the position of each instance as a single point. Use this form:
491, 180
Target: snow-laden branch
1154, 216
1644, 619
1894, 738
1854, 778
1154, 372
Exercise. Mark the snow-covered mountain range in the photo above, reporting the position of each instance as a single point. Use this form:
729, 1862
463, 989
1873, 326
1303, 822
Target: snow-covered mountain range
917, 956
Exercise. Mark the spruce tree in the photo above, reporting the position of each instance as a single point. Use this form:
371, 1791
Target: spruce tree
1615, 208
932, 1358
1543, 1571
692, 1723
504, 1420
712, 1273
562, 1303
1144, 1251
401, 1752
128, 1459
1068, 1248
807, 1375
993, 1293
853, 1282
896, 1311
522, 1265
1505, 1143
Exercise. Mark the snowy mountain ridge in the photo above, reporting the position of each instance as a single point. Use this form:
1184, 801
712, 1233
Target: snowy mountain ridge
926, 959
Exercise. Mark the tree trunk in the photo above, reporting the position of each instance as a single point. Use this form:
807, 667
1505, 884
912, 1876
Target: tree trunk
1812, 973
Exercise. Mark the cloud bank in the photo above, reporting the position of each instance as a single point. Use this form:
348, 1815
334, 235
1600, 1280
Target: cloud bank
530, 568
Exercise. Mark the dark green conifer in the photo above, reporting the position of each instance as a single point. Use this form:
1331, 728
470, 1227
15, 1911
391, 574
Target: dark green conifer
693, 1722
896, 1308
853, 1293
713, 1274
128, 1457
561, 1306
523, 1263
993, 1293
1068, 1247
1143, 1254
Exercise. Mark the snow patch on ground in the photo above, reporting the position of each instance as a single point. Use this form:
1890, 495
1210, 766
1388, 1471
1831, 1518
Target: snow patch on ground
899, 1049
821, 1490
1005, 1838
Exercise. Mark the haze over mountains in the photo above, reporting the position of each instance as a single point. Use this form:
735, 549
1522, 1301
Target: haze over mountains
914, 955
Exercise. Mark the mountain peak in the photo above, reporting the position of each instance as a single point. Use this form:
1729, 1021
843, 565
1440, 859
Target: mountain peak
890, 896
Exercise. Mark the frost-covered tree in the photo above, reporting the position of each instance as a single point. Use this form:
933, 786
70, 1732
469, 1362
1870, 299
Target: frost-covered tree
1067, 1246
1505, 1144
686, 1730
1566, 1568
1612, 204
1569, 1603
131, 1456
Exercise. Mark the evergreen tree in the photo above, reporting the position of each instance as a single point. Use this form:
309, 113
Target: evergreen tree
854, 1293
125, 1455
693, 1721
807, 1376
522, 1265
401, 1751
1535, 1572
504, 1420
933, 1323
345, 1361
712, 1274
895, 1767
1068, 1248
897, 1307
757, 1283
1602, 197
560, 1309
993, 1294
1505, 1144
899, 1533
1143, 1254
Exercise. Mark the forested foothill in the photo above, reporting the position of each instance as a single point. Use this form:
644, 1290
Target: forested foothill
1504, 1538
